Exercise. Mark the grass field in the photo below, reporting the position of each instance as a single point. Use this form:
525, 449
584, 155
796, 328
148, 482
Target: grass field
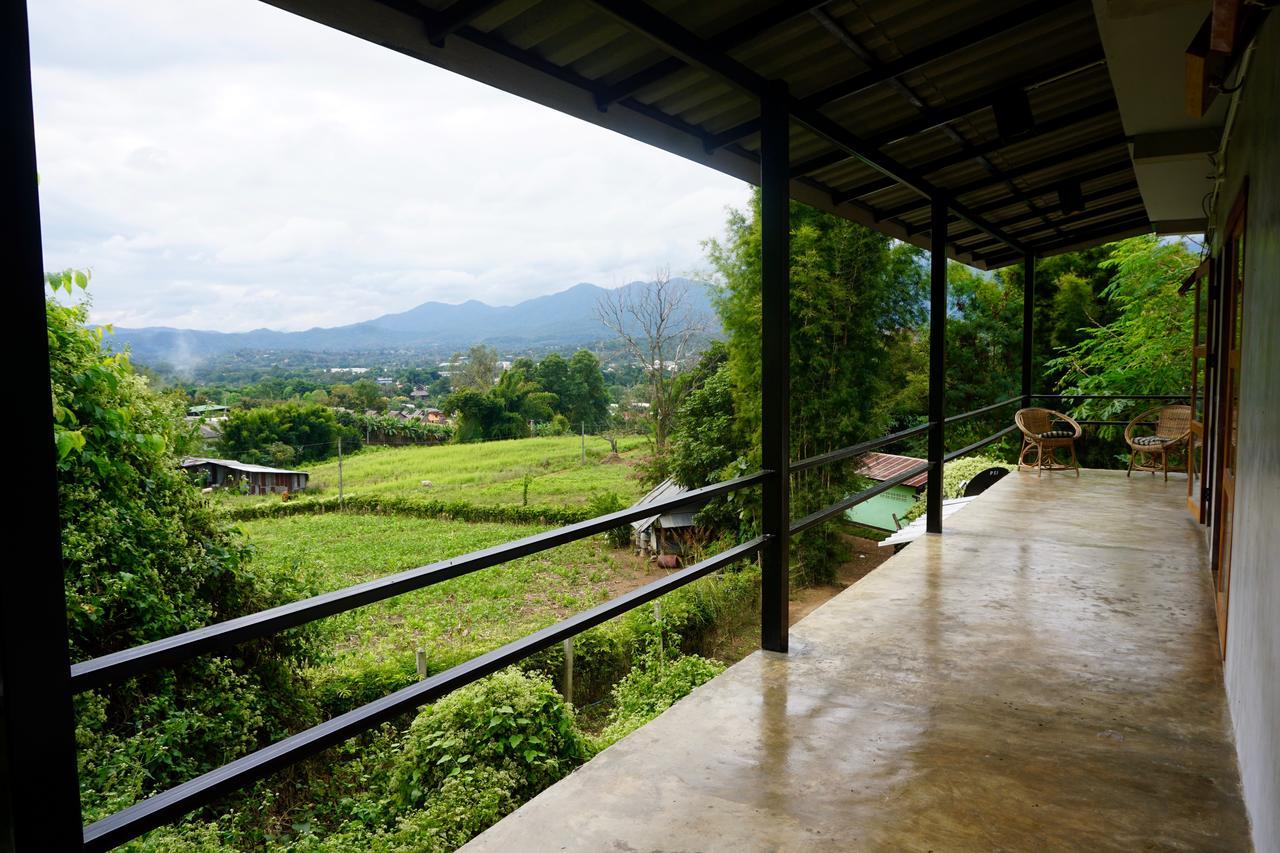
489, 473
452, 621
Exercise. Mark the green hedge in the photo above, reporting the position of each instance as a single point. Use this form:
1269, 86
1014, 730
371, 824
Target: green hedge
456, 510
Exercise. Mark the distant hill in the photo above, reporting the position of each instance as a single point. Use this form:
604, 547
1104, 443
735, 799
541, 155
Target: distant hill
560, 320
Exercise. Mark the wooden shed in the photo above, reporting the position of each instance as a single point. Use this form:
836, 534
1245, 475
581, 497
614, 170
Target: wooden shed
261, 479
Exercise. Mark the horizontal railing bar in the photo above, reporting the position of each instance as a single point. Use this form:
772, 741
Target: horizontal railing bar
856, 449
1114, 423
815, 518
171, 804
129, 662
983, 410
1112, 396
969, 448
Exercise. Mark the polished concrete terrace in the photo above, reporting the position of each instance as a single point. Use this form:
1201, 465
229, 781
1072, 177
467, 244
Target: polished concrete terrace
1044, 676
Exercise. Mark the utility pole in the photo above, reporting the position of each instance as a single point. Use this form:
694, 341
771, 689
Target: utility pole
341, 504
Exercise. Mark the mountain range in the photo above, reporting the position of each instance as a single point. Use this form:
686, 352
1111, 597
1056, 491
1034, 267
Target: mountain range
557, 321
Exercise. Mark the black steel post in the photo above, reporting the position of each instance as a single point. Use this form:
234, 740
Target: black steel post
937, 361
39, 793
1028, 310
775, 368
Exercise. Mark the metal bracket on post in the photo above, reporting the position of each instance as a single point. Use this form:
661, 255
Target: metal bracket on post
937, 361
775, 368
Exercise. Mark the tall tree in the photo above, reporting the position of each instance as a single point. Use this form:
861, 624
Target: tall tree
658, 329
552, 374
853, 293
586, 400
479, 371
1145, 349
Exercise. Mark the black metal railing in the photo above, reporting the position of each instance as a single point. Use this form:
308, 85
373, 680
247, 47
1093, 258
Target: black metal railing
202, 790
817, 517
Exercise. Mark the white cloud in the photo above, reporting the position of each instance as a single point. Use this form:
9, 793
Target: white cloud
223, 164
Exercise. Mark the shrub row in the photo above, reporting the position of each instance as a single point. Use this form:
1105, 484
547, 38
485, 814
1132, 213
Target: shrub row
390, 505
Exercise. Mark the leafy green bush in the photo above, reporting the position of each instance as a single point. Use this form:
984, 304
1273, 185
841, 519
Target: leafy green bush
509, 722
465, 805
652, 687
144, 558
603, 504
954, 477
257, 436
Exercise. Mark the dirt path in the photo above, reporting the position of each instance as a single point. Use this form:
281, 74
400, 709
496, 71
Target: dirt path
866, 555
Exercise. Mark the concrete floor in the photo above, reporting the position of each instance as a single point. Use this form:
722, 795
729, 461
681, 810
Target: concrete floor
1044, 676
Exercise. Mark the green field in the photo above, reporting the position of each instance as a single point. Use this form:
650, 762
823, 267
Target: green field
489, 473
452, 621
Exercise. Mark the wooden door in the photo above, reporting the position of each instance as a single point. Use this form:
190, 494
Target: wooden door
1231, 330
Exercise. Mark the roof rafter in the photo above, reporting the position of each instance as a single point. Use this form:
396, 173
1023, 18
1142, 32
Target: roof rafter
1031, 168
938, 116
440, 25
1063, 122
671, 36
732, 36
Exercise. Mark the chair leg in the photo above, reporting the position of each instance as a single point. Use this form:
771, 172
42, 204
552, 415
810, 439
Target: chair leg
1075, 463
1164, 460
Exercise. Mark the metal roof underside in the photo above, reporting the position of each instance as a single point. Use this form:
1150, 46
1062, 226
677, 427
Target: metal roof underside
890, 99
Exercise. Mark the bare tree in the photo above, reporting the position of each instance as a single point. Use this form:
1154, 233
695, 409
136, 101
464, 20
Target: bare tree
659, 329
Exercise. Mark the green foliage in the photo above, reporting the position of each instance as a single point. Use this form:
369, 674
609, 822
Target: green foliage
852, 290
362, 395
1144, 350
388, 429
652, 687
555, 396
586, 401
477, 371
256, 435
411, 507
509, 722
954, 477
603, 504
144, 558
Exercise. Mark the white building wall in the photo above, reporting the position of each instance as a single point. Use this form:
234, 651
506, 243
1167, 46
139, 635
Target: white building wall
1252, 667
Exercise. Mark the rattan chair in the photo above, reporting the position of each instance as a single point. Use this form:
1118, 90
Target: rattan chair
1151, 452
1046, 431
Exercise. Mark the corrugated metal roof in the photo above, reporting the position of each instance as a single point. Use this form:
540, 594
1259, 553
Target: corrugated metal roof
681, 516
883, 466
916, 80
192, 461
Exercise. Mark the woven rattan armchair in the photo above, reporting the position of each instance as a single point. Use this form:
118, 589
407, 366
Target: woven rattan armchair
1046, 431
1151, 452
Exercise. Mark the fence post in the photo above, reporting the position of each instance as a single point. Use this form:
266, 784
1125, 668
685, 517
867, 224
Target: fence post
420, 660
775, 368
39, 792
937, 361
566, 681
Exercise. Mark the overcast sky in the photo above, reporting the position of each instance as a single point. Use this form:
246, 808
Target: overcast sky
222, 164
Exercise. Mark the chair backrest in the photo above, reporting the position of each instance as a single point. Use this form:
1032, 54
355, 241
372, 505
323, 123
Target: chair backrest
1034, 421
1174, 421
